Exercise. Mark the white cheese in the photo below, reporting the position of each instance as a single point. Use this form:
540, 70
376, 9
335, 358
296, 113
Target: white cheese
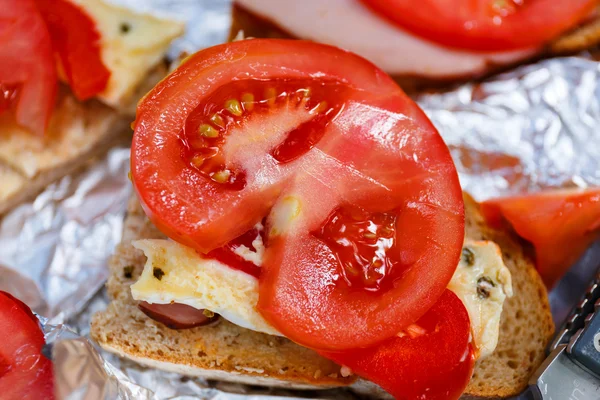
352, 26
482, 282
132, 44
208, 284
198, 282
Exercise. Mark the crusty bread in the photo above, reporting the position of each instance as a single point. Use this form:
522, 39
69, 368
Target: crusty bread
77, 132
526, 326
227, 352
584, 37
222, 351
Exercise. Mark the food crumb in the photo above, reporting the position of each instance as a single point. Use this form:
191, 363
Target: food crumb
345, 371
128, 271
158, 273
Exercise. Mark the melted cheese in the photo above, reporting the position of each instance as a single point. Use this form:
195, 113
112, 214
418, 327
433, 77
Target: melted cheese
352, 26
482, 282
200, 283
208, 284
132, 44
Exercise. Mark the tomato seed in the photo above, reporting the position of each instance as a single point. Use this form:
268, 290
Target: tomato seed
270, 96
248, 101
221, 176
217, 120
234, 107
208, 131
362, 249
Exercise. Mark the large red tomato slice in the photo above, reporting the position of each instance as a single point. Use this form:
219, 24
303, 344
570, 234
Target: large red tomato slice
28, 80
365, 214
486, 25
560, 224
24, 372
77, 42
433, 360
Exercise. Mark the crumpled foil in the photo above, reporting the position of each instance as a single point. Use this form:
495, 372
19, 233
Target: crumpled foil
526, 130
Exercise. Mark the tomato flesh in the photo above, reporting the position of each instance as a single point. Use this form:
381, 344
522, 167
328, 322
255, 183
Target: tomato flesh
486, 25
27, 72
360, 242
561, 224
77, 42
325, 129
228, 255
8, 95
206, 128
434, 361
25, 373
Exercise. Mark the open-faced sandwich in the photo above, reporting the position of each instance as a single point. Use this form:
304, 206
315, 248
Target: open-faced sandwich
299, 223
70, 72
433, 41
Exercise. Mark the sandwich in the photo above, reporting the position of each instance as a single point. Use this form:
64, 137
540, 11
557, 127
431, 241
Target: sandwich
298, 222
437, 43
72, 72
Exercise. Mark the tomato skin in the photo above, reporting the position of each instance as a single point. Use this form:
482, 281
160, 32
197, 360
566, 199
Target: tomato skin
481, 26
164, 110
560, 224
25, 373
27, 63
77, 43
436, 365
380, 146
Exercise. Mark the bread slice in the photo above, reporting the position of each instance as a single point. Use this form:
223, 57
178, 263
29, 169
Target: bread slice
77, 132
227, 352
586, 36
132, 46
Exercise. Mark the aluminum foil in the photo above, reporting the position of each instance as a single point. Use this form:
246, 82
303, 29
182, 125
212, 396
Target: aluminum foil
529, 129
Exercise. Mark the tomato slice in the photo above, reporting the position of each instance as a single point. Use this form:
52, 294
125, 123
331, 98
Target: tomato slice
486, 25
560, 224
25, 373
28, 80
434, 359
77, 42
300, 132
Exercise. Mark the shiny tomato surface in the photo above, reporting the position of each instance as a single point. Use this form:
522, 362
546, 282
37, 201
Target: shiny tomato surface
25, 373
28, 80
486, 25
364, 213
77, 42
560, 224
432, 360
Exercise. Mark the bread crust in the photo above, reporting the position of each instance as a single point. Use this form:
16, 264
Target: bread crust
230, 353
